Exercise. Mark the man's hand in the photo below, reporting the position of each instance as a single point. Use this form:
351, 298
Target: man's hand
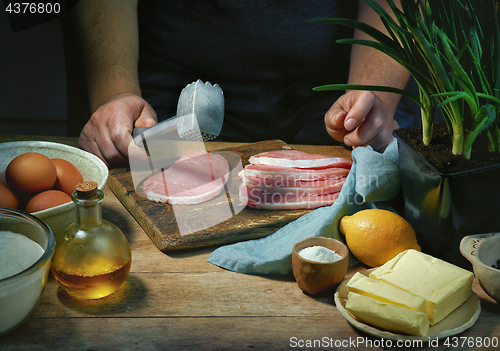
108, 132
360, 118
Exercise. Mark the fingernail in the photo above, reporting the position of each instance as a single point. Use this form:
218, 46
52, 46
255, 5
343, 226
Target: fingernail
347, 142
350, 124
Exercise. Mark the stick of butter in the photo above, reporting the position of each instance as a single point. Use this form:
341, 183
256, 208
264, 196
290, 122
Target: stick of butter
444, 286
384, 292
386, 315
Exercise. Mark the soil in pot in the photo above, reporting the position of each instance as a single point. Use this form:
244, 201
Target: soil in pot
443, 206
439, 151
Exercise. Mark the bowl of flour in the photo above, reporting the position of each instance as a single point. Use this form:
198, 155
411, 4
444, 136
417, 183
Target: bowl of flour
26, 248
319, 264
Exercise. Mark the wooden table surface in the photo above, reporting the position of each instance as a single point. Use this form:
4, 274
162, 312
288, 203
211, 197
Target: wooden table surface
179, 301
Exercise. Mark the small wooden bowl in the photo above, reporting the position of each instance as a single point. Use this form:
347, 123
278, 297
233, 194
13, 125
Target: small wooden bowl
315, 277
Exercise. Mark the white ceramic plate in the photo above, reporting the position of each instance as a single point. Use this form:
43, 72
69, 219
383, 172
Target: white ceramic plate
89, 165
459, 320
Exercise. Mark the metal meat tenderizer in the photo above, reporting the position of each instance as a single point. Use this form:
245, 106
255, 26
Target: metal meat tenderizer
200, 114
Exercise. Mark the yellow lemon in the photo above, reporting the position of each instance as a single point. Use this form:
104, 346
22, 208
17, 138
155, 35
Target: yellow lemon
375, 236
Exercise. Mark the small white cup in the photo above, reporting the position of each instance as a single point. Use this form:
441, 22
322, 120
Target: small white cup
483, 251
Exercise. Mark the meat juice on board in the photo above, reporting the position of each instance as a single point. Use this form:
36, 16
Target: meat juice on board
92, 257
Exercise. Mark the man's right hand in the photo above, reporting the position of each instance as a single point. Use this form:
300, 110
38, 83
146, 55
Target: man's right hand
108, 133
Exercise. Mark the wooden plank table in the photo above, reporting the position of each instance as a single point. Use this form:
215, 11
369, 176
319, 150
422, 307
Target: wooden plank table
179, 301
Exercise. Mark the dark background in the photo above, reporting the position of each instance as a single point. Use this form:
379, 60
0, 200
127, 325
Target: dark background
33, 76
32, 72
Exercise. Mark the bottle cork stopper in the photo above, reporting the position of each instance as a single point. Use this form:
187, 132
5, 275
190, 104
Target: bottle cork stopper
86, 190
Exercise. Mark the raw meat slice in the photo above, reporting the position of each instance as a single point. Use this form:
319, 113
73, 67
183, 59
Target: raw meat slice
291, 180
317, 187
298, 159
194, 178
286, 174
292, 183
275, 201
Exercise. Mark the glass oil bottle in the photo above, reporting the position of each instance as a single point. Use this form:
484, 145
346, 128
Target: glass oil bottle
92, 257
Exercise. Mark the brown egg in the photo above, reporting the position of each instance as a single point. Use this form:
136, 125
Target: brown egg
31, 172
2, 177
67, 175
47, 199
8, 198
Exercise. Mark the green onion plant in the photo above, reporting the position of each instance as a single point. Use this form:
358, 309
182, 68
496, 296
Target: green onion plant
452, 50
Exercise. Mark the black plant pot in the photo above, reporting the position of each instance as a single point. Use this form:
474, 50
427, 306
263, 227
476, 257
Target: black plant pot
443, 208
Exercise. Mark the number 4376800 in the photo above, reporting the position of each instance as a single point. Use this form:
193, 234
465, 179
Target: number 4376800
464, 341
32, 7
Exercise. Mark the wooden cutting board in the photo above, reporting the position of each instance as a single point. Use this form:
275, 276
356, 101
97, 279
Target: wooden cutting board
159, 222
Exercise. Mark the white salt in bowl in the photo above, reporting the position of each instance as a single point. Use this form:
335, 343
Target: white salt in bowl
314, 277
89, 165
21, 293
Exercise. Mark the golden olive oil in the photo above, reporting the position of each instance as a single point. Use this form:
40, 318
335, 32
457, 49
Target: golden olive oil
92, 257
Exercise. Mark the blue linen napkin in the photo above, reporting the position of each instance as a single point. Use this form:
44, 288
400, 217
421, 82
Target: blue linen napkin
371, 183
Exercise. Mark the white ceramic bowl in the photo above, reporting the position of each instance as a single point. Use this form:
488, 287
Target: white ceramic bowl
483, 251
21, 293
89, 165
